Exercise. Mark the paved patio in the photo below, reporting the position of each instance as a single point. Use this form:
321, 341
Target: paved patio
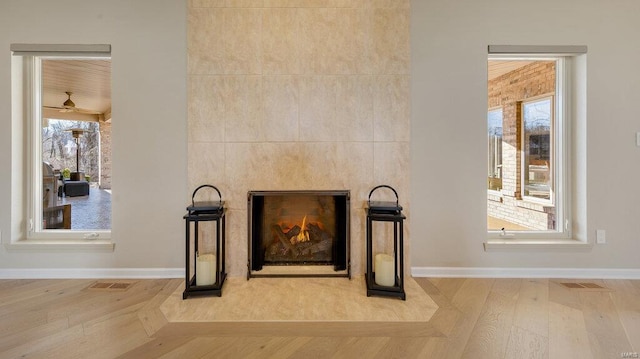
92, 211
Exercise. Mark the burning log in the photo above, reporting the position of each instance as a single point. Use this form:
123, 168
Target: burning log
293, 232
303, 236
288, 245
321, 240
277, 230
318, 247
317, 234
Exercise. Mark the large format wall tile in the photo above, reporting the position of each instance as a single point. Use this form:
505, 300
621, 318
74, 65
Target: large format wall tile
206, 166
318, 161
205, 45
335, 41
263, 166
318, 108
242, 101
281, 41
360, 4
350, 51
354, 168
281, 106
358, 249
392, 108
242, 41
391, 166
226, 3
391, 41
298, 95
310, 3
206, 109
224, 41
354, 108
236, 243
394, 4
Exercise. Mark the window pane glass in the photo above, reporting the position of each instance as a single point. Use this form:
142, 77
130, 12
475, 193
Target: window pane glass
494, 120
521, 169
537, 148
75, 146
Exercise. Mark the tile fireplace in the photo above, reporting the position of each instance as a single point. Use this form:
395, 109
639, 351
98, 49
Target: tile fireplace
298, 234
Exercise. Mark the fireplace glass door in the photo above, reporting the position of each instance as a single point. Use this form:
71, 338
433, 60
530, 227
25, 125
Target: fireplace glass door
298, 233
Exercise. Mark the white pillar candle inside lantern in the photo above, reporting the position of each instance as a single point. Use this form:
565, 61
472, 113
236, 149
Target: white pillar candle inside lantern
206, 269
384, 269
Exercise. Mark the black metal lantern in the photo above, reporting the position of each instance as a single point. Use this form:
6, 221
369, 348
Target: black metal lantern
205, 259
385, 270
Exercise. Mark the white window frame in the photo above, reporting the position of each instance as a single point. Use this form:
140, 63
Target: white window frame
32, 56
564, 100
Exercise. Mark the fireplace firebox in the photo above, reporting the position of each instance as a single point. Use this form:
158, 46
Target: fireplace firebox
298, 234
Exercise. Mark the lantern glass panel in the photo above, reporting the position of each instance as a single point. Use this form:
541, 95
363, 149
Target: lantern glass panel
203, 249
207, 237
382, 237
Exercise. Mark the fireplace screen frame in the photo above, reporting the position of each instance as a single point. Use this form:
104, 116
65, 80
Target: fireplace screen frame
340, 265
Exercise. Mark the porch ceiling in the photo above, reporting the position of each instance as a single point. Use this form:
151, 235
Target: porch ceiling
88, 80
497, 68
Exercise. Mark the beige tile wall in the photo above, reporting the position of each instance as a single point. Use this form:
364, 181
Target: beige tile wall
298, 94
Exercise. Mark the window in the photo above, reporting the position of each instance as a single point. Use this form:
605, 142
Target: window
494, 121
65, 97
529, 126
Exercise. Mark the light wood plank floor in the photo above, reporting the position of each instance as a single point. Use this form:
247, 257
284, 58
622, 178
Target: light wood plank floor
477, 318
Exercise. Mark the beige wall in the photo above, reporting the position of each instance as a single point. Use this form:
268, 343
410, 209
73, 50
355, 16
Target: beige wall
291, 95
148, 39
449, 101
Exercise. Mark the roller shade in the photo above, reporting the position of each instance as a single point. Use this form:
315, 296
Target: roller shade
538, 49
61, 49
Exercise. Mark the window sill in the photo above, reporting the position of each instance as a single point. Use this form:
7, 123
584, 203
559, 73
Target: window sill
58, 245
530, 245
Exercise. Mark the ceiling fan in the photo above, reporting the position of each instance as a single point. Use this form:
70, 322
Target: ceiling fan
70, 106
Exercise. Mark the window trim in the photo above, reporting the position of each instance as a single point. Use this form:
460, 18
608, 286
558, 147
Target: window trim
31, 69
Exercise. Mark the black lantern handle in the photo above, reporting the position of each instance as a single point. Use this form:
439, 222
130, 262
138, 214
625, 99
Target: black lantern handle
384, 186
202, 186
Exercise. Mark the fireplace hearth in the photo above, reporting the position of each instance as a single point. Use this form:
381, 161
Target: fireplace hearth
298, 234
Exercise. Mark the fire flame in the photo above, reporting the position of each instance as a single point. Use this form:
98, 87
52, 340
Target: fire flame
303, 236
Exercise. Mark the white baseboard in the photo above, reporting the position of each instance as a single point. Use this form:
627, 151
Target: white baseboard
446, 272
76, 273
568, 273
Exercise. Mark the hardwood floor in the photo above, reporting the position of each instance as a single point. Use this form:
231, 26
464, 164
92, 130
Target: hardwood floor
477, 318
